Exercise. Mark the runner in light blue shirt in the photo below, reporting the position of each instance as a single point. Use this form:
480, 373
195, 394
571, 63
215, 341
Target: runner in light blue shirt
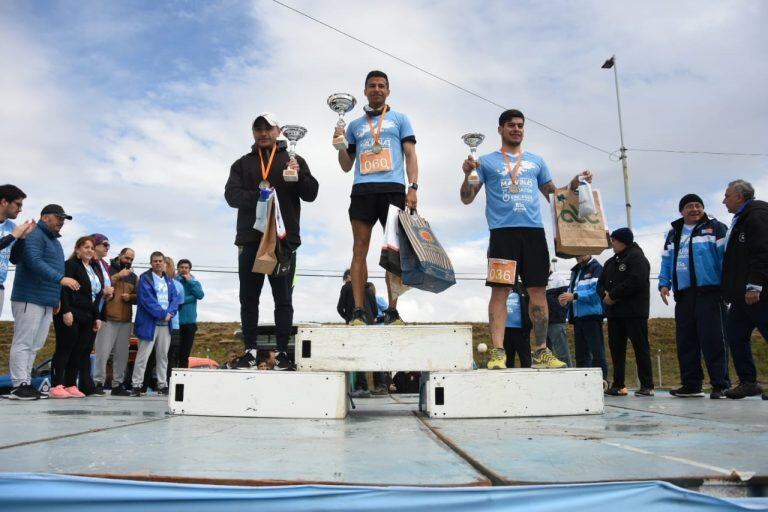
517, 246
381, 148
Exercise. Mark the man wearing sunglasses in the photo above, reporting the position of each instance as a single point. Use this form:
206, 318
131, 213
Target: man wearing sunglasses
115, 332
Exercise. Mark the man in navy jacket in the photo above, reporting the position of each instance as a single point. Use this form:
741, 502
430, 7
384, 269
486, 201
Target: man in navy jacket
745, 282
691, 266
36, 294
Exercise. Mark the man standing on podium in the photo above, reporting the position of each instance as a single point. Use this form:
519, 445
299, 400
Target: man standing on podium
382, 149
262, 170
517, 243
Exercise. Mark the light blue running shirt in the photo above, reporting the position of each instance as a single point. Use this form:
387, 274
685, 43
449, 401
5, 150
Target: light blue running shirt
503, 209
394, 129
6, 228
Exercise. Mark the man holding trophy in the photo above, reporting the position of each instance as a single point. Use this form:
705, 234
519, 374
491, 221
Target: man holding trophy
381, 146
517, 243
268, 169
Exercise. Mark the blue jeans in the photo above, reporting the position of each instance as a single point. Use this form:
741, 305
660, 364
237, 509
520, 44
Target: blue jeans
559, 341
590, 343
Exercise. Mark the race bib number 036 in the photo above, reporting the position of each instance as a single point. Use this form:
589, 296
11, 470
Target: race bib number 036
371, 162
502, 271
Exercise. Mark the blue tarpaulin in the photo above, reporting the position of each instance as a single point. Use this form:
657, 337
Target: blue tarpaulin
23, 492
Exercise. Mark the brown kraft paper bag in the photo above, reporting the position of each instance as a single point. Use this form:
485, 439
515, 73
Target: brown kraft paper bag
575, 236
266, 260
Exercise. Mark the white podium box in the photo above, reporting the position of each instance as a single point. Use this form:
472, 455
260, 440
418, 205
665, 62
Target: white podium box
514, 393
374, 348
258, 394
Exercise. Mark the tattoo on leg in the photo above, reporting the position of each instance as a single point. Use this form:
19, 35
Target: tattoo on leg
540, 320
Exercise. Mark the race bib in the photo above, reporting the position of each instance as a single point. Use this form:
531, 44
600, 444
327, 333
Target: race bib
371, 162
502, 271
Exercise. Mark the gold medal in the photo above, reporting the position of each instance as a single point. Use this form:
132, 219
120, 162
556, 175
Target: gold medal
514, 188
376, 147
264, 185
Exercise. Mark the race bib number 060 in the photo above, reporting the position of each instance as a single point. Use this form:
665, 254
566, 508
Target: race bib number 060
371, 162
502, 271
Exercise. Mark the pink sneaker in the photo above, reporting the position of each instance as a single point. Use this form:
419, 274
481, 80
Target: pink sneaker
59, 392
74, 392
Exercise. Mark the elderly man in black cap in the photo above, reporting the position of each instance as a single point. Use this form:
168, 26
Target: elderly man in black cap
627, 289
691, 267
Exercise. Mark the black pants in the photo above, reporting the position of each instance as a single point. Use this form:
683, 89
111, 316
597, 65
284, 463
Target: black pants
251, 284
699, 329
174, 354
741, 321
590, 343
636, 329
72, 358
187, 332
517, 341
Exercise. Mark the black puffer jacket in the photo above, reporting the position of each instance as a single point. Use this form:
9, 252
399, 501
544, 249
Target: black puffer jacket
242, 192
746, 255
626, 277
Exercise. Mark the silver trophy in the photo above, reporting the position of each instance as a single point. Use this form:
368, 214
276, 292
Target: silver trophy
473, 140
293, 133
341, 103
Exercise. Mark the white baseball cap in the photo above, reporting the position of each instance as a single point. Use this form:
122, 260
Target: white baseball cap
269, 117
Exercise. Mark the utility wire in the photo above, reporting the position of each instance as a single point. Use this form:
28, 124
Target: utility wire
437, 77
496, 104
720, 153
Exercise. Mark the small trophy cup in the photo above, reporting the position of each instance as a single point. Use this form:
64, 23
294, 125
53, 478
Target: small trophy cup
293, 133
473, 140
341, 103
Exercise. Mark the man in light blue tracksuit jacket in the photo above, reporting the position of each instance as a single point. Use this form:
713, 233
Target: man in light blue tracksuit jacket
585, 312
691, 267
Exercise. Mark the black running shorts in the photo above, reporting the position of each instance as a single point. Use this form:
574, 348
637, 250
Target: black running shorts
526, 246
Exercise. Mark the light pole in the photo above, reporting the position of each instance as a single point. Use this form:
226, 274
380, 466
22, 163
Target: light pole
611, 63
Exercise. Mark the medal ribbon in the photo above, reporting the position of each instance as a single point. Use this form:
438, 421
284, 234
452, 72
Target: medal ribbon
376, 134
513, 172
265, 171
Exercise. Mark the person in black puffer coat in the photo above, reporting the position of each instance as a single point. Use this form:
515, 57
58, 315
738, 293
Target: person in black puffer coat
626, 281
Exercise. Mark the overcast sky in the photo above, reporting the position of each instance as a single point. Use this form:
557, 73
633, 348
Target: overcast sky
129, 114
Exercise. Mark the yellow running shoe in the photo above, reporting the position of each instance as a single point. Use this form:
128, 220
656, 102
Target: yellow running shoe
546, 359
358, 317
498, 360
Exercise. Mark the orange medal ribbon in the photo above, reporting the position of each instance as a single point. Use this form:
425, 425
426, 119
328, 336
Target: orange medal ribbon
265, 170
376, 134
513, 172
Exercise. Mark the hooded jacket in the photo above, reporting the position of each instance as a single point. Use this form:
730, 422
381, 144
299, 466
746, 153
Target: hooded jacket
746, 253
242, 192
626, 277
705, 254
587, 296
149, 312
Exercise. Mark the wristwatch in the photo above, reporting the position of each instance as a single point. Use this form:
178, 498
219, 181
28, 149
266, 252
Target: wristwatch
414, 186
